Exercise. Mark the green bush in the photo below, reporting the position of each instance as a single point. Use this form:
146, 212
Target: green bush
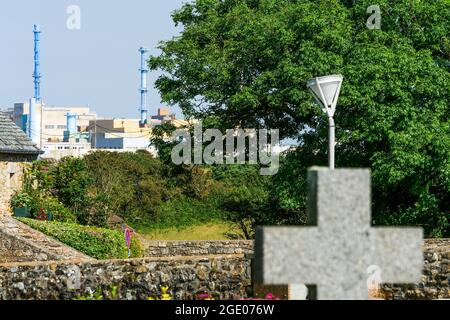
97, 243
183, 212
57, 209
21, 200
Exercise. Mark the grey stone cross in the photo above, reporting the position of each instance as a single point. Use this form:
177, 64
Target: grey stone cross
340, 248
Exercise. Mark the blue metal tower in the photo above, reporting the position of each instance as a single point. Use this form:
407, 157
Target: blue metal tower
143, 90
37, 73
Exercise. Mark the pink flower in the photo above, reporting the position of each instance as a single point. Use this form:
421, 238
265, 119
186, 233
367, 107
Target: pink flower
270, 296
203, 296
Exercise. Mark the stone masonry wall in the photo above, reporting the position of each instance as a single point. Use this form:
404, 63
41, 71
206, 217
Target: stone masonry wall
196, 248
435, 279
12, 170
223, 277
20, 243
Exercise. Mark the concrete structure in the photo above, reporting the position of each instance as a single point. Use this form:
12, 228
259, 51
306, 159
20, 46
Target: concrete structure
53, 120
164, 115
126, 134
341, 252
59, 150
17, 152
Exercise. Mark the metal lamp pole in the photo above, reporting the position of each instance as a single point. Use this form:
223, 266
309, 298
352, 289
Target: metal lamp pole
331, 142
326, 92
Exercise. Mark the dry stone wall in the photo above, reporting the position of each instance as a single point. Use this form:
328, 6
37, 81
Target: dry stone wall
222, 277
220, 268
196, 248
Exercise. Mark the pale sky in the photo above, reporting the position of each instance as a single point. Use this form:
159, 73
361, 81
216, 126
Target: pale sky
96, 65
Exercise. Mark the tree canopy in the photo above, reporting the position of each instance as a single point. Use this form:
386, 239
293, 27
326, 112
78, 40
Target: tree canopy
246, 62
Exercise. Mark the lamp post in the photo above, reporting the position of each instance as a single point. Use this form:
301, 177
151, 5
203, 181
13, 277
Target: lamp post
326, 93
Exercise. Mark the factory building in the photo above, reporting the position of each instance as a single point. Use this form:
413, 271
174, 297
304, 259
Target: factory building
53, 120
76, 130
53, 134
120, 134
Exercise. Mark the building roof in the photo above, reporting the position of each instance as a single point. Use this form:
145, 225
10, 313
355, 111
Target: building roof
13, 140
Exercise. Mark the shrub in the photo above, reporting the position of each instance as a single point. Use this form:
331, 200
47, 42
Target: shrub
21, 200
97, 243
57, 209
183, 212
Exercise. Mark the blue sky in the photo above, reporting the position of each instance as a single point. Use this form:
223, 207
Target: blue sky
96, 65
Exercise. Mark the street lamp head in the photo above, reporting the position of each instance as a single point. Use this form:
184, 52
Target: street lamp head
326, 92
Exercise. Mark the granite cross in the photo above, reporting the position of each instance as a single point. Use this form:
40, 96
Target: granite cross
340, 247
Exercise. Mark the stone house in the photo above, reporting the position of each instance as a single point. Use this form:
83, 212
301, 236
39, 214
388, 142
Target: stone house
17, 152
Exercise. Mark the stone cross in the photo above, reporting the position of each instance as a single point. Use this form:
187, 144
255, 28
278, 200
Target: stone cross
340, 250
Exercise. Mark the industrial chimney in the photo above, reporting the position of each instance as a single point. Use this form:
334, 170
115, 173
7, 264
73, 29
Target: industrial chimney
143, 89
34, 115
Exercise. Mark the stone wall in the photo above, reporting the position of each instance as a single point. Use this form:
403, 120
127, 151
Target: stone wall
208, 269
20, 243
196, 248
12, 169
222, 277
436, 276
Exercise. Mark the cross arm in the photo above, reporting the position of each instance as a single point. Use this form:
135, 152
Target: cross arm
286, 255
398, 253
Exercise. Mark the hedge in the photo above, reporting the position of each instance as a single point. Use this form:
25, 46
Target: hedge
95, 242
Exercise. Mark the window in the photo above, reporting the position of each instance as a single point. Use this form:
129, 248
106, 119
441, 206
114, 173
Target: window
62, 127
49, 126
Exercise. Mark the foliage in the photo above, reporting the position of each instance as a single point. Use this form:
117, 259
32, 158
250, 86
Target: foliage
56, 208
160, 139
95, 242
246, 62
243, 194
111, 294
21, 200
59, 187
130, 185
183, 212
66, 180
165, 295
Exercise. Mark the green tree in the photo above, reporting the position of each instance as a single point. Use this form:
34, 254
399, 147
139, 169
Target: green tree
246, 62
129, 185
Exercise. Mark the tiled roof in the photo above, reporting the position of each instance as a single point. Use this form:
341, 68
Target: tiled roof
13, 140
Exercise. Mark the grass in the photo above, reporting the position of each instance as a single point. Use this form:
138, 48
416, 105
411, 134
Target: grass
209, 231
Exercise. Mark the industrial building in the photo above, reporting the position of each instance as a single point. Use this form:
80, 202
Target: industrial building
75, 130
129, 134
53, 120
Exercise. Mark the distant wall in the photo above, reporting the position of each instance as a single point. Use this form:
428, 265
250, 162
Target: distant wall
194, 248
223, 277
